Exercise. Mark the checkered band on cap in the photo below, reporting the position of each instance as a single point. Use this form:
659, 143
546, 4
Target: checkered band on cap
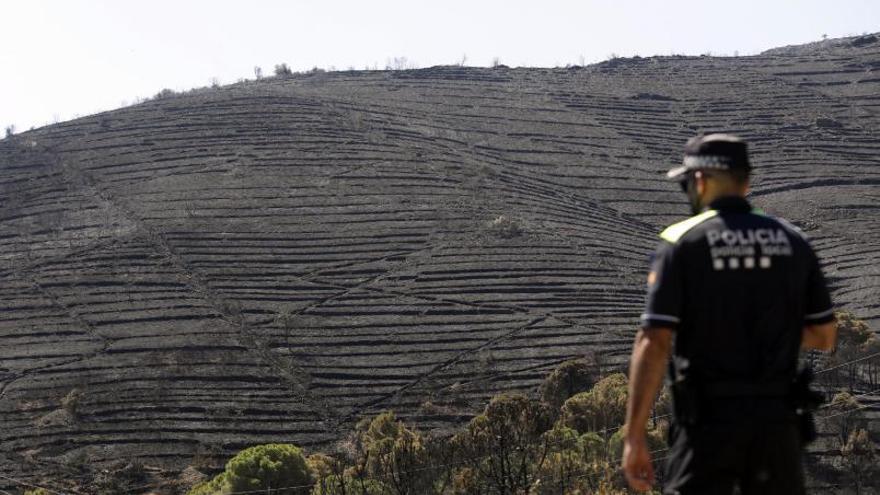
707, 162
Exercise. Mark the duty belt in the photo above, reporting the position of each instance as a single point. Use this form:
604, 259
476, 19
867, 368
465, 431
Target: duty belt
733, 389
732, 401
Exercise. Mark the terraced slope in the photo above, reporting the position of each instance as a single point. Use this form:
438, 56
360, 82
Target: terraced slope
269, 261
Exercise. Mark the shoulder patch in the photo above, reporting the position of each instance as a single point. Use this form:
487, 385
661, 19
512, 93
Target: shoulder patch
675, 231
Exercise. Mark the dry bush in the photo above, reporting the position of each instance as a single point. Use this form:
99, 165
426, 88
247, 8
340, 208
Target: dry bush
282, 70
567, 380
512, 447
71, 402
504, 227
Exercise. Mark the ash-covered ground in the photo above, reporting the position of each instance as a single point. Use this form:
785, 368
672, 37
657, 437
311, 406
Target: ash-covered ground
269, 261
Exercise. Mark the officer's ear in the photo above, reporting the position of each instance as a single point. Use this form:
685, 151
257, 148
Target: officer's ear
700, 182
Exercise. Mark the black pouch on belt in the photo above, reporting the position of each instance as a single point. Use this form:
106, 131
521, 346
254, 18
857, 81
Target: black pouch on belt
685, 401
806, 401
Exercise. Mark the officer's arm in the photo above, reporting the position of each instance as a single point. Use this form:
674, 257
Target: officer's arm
821, 336
647, 367
820, 325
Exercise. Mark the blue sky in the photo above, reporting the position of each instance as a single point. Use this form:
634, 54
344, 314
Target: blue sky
66, 58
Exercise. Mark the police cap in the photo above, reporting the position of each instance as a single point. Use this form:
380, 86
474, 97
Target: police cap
712, 152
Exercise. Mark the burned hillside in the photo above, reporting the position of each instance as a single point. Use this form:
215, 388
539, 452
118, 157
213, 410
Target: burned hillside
271, 260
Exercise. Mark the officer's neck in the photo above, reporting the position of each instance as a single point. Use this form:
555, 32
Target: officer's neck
711, 191
721, 201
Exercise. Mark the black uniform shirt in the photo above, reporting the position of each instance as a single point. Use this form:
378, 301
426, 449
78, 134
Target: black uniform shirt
738, 286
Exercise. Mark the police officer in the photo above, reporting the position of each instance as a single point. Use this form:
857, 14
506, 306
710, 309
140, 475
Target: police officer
739, 293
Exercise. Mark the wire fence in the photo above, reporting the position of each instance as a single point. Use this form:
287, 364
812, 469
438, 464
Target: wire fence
470, 460
603, 431
458, 463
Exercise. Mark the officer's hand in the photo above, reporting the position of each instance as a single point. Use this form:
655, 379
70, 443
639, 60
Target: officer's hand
637, 464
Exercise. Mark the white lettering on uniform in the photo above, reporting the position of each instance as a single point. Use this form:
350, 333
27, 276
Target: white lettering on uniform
746, 238
733, 248
713, 237
728, 237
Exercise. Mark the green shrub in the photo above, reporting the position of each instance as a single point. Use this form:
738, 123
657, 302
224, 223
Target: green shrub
210, 487
277, 468
270, 466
